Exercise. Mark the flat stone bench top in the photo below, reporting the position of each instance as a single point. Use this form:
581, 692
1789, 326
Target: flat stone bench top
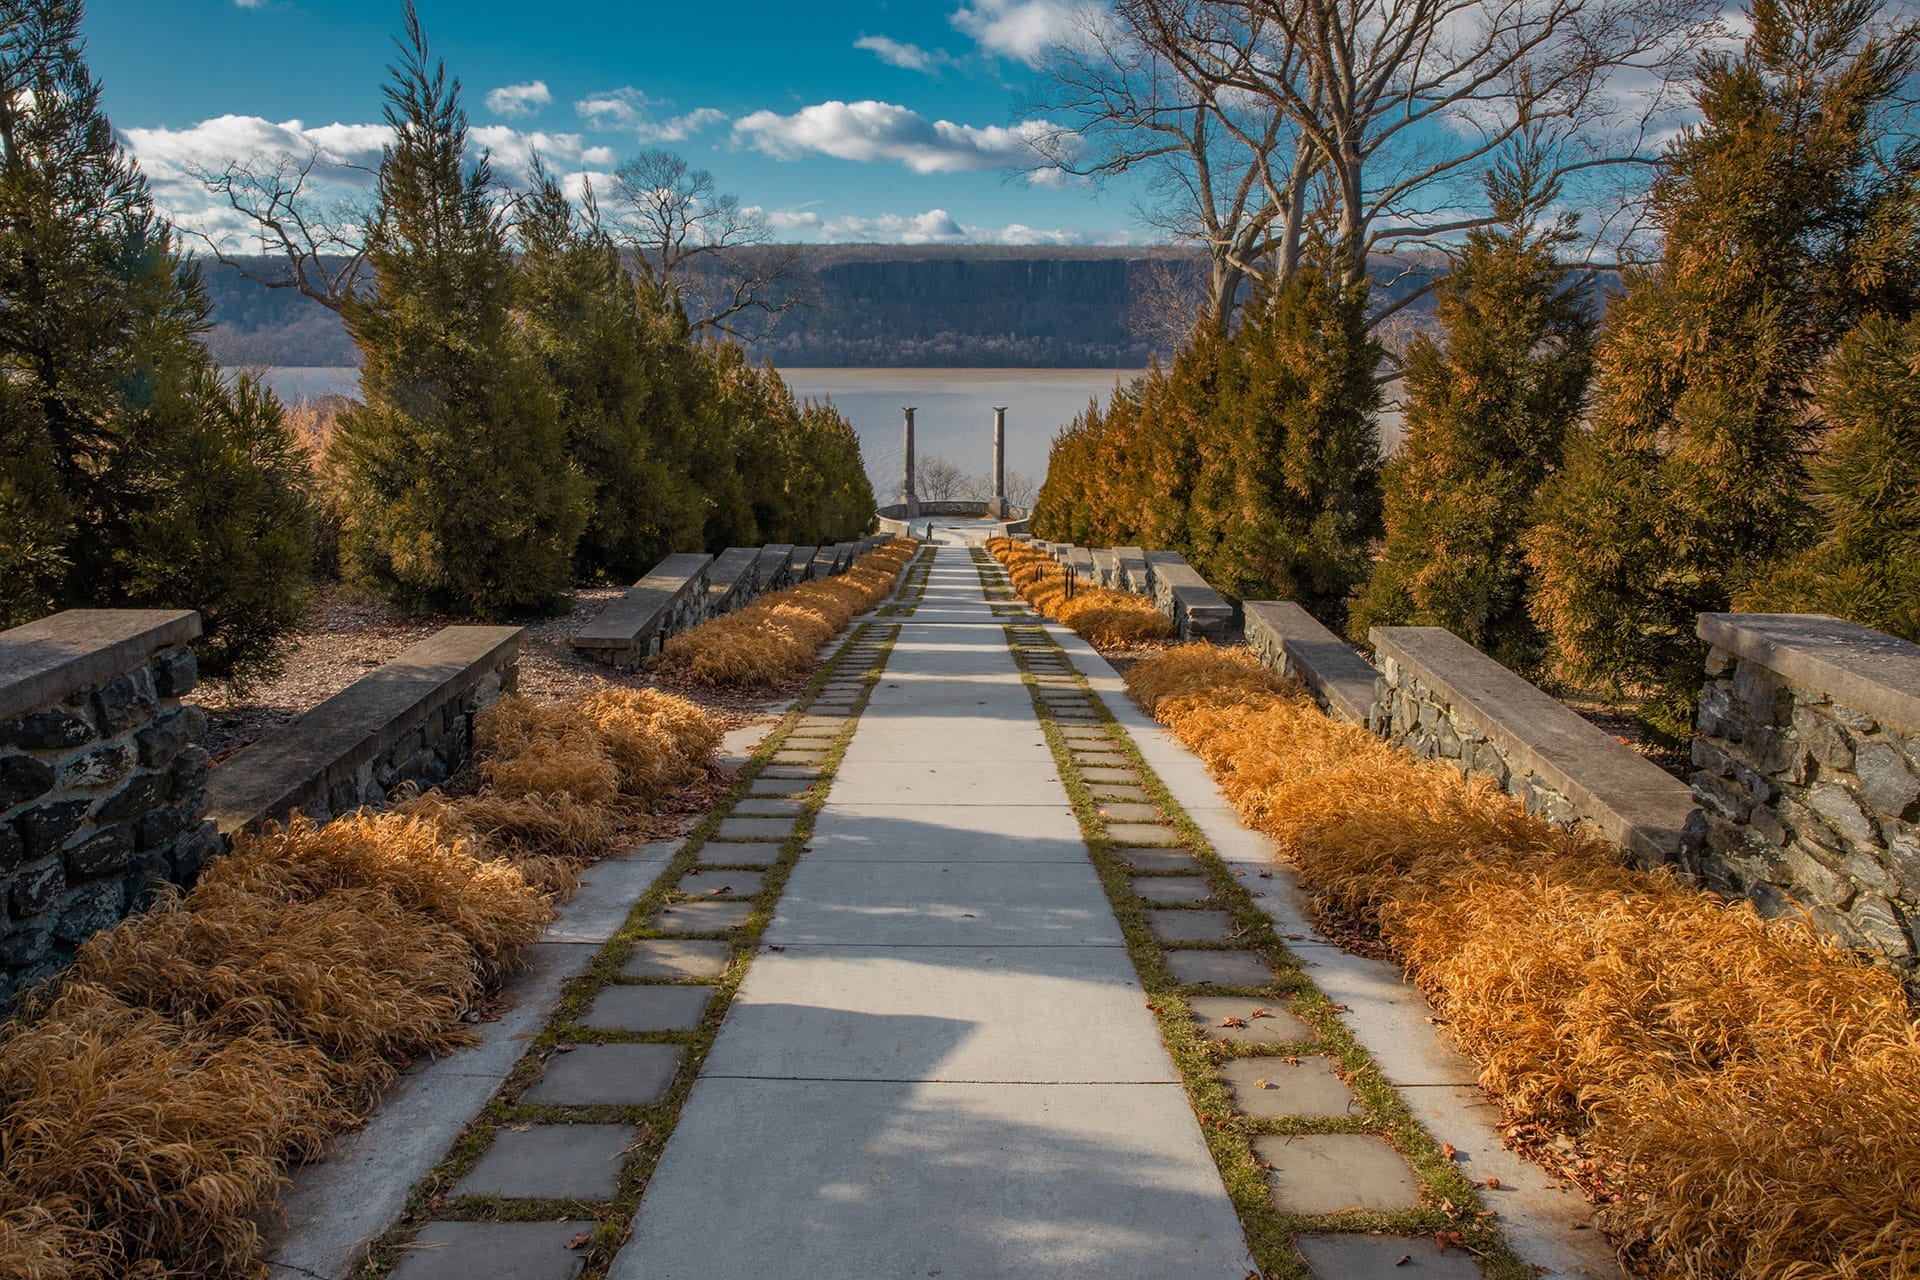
51, 657
772, 564
800, 561
1106, 567
630, 621
731, 570
297, 762
825, 562
1330, 666
1626, 795
1080, 560
1867, 670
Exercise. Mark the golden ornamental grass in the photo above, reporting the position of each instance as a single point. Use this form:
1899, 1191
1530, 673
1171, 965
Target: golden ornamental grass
1102, 617
778, 636
152, 1101
1750, 1086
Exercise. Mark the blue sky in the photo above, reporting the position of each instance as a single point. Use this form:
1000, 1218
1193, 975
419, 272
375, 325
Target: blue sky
860, 122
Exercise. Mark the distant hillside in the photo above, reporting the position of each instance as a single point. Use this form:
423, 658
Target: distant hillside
877, 306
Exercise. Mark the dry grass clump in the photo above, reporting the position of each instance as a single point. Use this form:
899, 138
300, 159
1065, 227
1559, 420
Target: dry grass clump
1104, 618
1747, 1083
778, 636
152, 1102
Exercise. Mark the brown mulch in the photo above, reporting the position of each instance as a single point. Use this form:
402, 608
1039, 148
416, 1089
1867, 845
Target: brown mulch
345, 637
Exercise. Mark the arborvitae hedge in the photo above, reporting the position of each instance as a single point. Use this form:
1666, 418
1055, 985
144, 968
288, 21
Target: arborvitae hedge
460, 493
1691, 479
1488, 410
131, 474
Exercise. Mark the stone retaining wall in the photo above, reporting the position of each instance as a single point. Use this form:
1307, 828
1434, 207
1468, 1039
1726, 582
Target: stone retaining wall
102, 783
1292, 642
407, 724
1807, 760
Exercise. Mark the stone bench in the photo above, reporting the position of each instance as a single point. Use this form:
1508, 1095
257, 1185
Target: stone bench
1198, 611
1292, 642
731, 580
771, 571
1106, 568
800, 564
1130, 571
669, 599
1444, 699
410, 721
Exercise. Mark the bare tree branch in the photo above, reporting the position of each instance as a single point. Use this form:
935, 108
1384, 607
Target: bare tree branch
320, 245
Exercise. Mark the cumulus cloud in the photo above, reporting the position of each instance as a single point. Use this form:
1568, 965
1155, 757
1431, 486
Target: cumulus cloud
679, 128
512, 151
883, 132
935, 226
1024, 29
908, 57
631, 109
516, 100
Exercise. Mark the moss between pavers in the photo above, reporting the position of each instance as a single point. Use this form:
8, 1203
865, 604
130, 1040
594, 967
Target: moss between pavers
1449, 1200
431, 1198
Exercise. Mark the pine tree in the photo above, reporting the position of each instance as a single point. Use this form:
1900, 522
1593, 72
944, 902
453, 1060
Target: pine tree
459, 492
130, 472
1287, 500
583, 317
1691, 476
1486, 420
1865, 565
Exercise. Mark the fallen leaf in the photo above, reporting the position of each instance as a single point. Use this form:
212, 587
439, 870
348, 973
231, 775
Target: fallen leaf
1341, 1008
580, 1241
1406, 1260
1493, 1184
1231, 1021
1291, 1061
563, 1048
1260, 1013
1261, 1083
1448, 1150
1266, 875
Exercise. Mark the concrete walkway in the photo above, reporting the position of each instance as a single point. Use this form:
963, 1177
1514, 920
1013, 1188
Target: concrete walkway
941, 1063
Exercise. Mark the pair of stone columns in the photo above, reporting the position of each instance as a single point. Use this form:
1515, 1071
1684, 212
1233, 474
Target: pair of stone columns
996, 509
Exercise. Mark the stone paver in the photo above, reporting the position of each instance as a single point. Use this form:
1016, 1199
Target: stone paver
1172, 888
677, 958
1130, 812
765, 786
769, 807
550, 1162
754, 829
739, 853
1142, 833
1276, 1025
1191, 926
620, 1075
732, 884
1218, 969
652, 1008
703, 915
1334, 1172
469, 1250
1268, 1088
1148, 858
1357, 1257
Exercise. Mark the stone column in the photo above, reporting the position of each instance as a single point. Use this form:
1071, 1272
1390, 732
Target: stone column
997, 509
910, 499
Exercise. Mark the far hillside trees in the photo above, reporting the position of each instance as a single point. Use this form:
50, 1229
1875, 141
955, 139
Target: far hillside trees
1690, 479
460, 494
1489, 405
131, 472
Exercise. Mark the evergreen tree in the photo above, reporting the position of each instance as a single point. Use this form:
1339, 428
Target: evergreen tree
1287, 498
118, 439
1486, 420
460, 494
1691, 475
1865, 565
583, 318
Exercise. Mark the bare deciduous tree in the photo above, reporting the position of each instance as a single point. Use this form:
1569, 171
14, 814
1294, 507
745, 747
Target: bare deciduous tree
317, 243
706, 252
939, 480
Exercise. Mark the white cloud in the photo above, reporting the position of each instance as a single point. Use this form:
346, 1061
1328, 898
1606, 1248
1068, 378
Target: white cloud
1024, 29
908, 57
512, 151
679, 128
629, 108
881, 131
516, 100
935, 226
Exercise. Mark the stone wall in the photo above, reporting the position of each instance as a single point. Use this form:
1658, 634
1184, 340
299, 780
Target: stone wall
1292, 642
407, 724
1807, 758
102, 783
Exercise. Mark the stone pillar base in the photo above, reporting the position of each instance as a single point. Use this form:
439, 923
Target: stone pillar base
912, 505
999, 509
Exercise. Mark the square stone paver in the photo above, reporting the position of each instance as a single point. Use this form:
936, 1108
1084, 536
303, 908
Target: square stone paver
1357, 1257
1275, 1025
654, 1008
1172, 888
1129, 812
729, 884
754, 829
1147, 858
550, 1162
1099, 759
1269, 1088
1191, 926
765, 786
613, 1075
1335, 1172
792, 771
1108, 775
1118, 791
1142, 833
739, 853
1218, 969
677, 958
768, 807
789, 755
1079, 735
465, 1250
703, 915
